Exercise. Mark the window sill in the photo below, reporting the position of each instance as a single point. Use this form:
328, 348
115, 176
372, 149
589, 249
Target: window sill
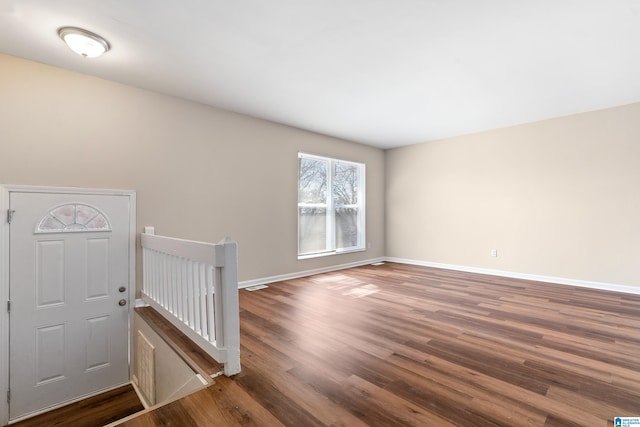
323, 254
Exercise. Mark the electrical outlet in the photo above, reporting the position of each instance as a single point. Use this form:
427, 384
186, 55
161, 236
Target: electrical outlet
369, 245
494, 252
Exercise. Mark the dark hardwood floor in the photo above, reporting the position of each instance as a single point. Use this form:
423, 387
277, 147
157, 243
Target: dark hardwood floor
94, 411
396, 345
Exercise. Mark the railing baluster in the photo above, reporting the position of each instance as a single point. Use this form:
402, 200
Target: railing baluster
184, 289
196, 296
179, 287
174, 287
203, 301
169, 285
218, 309
147, 274
189, 291
161, 277
164, 279
210, 313
155, 265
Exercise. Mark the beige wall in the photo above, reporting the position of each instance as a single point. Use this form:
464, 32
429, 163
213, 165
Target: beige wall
556, 198
199, 172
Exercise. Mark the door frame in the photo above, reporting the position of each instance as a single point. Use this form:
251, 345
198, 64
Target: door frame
5, 192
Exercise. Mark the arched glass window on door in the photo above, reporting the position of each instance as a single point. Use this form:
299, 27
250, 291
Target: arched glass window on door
73, 217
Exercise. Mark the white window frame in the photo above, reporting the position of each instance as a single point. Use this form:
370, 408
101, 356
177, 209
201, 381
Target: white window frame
330, 209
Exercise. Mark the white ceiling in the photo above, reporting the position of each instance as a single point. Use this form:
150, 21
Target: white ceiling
381, 72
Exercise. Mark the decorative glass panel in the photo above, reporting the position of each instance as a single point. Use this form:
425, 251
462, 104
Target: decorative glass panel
73, 217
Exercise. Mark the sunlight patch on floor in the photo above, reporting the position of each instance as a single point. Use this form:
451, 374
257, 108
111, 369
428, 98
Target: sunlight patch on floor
361, 291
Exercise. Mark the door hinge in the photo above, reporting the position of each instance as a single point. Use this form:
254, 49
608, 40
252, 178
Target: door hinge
9, 306
10, 213
8, 396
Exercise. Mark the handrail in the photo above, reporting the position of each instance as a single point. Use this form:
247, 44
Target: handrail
194, 286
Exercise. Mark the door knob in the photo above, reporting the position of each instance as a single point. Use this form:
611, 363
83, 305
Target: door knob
122, 289
122, 302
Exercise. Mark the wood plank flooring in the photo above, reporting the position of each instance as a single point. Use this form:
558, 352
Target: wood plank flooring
399, 345
94, 411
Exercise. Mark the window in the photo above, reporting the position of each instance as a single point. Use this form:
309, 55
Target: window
331, 207
73, 217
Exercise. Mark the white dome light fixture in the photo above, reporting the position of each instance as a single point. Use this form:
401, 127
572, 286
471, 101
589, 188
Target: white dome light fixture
83, 42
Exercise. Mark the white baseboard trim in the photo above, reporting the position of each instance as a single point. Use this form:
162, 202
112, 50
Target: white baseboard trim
547, 279
298, 274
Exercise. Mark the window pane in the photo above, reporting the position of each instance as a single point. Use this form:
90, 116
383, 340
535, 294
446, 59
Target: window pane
346, 228
312, 180
345, 184
312, 230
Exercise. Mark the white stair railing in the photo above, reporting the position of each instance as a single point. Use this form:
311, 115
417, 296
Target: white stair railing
194, 285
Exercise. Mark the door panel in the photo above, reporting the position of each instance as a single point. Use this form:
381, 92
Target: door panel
69, 254
49, 263
97, 268
98, 342
49, 352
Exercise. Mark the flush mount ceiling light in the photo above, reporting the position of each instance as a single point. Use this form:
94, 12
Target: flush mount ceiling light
83, 42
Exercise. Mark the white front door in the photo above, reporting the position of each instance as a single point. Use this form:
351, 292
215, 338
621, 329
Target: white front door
69, 287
